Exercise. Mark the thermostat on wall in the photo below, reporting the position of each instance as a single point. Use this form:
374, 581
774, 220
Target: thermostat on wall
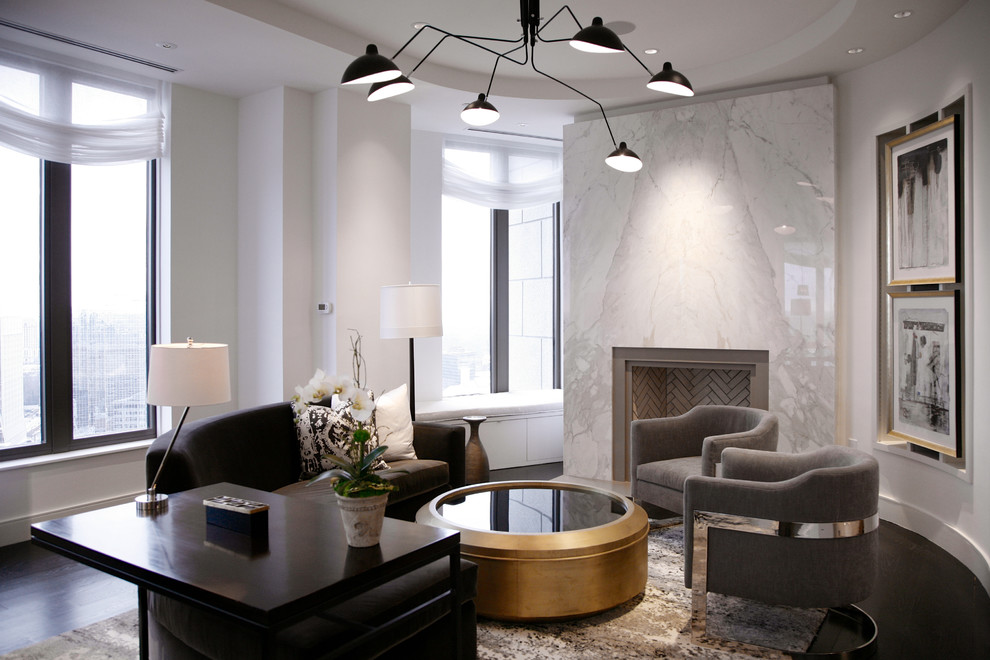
324, 307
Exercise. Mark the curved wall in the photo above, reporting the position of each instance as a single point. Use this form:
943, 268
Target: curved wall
950, 507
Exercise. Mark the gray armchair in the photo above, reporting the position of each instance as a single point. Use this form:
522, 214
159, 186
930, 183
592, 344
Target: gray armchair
667, 450
786, 529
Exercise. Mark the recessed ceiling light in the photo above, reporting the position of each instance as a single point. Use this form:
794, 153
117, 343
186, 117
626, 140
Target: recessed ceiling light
419, 25
651, 51
855, 51
809, 184
903, 14
167, 45
785, 230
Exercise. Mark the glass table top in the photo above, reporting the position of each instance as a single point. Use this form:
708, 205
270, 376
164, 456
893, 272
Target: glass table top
531, 508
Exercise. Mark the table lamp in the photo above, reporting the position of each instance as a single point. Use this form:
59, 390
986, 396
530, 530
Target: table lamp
410, 311
185, 374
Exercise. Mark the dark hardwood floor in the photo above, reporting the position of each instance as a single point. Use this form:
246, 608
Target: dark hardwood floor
43, 594
927, 605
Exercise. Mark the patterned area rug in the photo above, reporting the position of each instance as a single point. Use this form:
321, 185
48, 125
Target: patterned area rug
113, 639
655, 624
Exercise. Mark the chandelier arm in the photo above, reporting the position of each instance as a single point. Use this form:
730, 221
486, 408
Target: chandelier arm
437, 45
492, 78
638, 60
550, 20
525, 60
578, 91
466, 38
415, 34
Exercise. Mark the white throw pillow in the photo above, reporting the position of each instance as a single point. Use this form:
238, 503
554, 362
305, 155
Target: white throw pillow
395, 429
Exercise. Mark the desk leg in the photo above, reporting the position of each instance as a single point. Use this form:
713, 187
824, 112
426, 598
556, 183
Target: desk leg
143, 622
270, 645
455, 604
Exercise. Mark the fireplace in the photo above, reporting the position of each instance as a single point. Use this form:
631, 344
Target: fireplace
664, 382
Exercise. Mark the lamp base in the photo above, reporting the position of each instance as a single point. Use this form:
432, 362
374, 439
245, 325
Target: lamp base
151, 502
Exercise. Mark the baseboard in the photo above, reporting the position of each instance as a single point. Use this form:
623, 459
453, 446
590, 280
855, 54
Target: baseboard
17, 530
941, 534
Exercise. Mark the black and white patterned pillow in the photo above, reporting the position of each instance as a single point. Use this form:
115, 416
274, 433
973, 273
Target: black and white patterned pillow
321, 431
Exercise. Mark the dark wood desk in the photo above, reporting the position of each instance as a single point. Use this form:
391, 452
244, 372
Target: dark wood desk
304, 565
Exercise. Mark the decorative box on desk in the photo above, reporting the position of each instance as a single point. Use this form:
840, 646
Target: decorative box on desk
236, 514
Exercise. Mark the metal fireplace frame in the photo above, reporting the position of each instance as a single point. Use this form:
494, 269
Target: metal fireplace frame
625, 358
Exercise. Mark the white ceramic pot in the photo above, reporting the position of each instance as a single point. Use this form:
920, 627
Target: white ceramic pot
362, 518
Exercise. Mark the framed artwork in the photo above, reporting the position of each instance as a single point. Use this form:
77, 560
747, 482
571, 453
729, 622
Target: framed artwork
925, 384
923, 204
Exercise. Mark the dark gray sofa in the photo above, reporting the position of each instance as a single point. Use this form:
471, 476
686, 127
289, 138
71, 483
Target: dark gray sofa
257, 447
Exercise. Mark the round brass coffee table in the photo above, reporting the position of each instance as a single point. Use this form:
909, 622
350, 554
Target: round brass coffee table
546, 550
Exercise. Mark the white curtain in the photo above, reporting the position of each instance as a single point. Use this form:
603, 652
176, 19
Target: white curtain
513, 177
36, 114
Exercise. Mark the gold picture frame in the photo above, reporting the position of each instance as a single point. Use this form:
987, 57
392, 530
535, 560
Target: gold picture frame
923, 205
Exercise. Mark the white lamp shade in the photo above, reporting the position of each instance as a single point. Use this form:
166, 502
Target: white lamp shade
188, 374
410, 310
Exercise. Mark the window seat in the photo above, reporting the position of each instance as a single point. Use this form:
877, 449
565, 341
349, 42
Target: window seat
535, 403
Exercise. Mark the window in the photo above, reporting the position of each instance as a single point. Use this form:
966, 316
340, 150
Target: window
77, 215
500, 269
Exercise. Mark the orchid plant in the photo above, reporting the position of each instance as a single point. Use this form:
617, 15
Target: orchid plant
355, 477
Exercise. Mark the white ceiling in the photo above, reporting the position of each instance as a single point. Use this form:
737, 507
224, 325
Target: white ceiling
241, 47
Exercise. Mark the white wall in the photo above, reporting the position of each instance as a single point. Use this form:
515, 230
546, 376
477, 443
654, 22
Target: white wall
426, 238
274, 237
372, 229
297, 240
202, 227
259, 247
950, 510
324, 249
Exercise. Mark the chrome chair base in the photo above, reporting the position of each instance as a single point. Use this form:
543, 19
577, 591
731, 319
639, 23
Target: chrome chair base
846, 622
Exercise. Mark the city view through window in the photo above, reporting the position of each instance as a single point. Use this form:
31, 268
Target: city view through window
467, 283
105, 280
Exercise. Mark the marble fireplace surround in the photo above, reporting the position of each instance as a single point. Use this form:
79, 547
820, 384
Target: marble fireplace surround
724, 240
624, 359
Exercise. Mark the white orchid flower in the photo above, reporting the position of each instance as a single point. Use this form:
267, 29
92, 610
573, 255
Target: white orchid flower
341, 386
362, 406
318, 378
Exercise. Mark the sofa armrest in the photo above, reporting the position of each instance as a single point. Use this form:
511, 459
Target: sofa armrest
442, 442
256, 447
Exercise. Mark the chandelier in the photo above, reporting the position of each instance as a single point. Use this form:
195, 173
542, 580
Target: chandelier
387, 79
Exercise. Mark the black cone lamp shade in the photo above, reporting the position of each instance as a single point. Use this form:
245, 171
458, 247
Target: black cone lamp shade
479, 112
596, 38
370, 68
390, 88
624, 159
670, 81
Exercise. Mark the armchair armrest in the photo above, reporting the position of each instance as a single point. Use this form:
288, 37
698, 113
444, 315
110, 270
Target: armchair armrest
663, 438
763, 437
747, 463
442, 442
756, 499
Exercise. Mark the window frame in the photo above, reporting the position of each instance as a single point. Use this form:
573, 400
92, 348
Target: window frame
499, 331
55, 326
